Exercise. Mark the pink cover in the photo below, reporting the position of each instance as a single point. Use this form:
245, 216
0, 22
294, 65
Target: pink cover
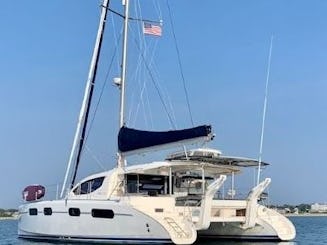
33, 192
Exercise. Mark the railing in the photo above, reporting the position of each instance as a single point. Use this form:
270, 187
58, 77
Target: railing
118, 184
235, 194
188, 212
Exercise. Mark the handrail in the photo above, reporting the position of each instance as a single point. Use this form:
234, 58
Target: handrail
115, 188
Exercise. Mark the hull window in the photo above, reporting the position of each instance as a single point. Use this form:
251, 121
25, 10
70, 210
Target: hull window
33, 211
47, 211
103, 213
74, 212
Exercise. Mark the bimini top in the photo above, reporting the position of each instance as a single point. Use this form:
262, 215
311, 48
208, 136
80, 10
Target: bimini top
214, 157
163, 168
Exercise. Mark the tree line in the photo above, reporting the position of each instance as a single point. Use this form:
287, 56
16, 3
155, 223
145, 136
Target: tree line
7, 212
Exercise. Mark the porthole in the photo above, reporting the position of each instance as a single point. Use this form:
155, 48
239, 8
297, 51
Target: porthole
33, 211
103, 213
47, 211
74, 212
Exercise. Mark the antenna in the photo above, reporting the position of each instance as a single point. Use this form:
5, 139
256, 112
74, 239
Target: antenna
264, 109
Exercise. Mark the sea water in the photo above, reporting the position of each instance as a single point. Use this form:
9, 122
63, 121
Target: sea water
310, 231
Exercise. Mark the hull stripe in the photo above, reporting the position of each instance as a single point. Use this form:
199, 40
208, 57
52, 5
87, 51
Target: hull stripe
95, 239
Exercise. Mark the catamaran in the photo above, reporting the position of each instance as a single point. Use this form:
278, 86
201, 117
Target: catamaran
169, 201
126, 204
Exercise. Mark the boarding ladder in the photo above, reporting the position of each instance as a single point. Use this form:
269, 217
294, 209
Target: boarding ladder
181, 230
179, 227
180, 233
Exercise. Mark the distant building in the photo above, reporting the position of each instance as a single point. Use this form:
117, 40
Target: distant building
318, 208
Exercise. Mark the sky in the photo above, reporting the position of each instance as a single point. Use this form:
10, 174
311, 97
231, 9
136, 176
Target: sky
46, 47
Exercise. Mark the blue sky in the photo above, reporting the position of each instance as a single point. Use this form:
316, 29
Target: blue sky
45, 53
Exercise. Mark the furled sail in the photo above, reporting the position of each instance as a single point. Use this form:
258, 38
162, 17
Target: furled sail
131, 140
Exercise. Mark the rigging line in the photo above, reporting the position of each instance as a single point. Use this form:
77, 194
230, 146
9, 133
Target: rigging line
102, 91
141, 100
106, 77
264, 108
117, 40
142, 92
157, 7
161, 88
169, 101
135, 19
95, 158
166, 95
180, 62
100, 97
140, 71
137, 102
165, 91
156, 86
144, 88
137, 71
156, 73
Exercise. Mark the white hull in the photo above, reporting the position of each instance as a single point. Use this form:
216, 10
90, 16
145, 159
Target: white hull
234, 231
127, 226
269, 226
96, 211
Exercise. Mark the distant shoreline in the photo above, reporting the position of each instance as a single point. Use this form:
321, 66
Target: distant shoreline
8, 218
306, 215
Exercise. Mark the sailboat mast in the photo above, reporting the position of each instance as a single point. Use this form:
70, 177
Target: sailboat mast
82, 120
121, 159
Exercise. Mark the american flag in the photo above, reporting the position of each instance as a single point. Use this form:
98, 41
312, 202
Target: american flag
151, 29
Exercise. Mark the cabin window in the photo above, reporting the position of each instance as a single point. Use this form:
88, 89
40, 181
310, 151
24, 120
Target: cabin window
74, 212
103, 213
148, 184
47, 211
88, 186
132, 183
33, 211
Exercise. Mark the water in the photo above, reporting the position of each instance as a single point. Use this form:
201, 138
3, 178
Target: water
310, 231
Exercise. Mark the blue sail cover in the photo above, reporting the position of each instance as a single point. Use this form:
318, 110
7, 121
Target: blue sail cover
132, 139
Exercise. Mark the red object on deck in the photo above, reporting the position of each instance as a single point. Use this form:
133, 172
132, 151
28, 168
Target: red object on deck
33, 192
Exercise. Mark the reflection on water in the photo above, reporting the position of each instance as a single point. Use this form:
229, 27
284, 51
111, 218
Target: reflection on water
310, 230
221, 242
